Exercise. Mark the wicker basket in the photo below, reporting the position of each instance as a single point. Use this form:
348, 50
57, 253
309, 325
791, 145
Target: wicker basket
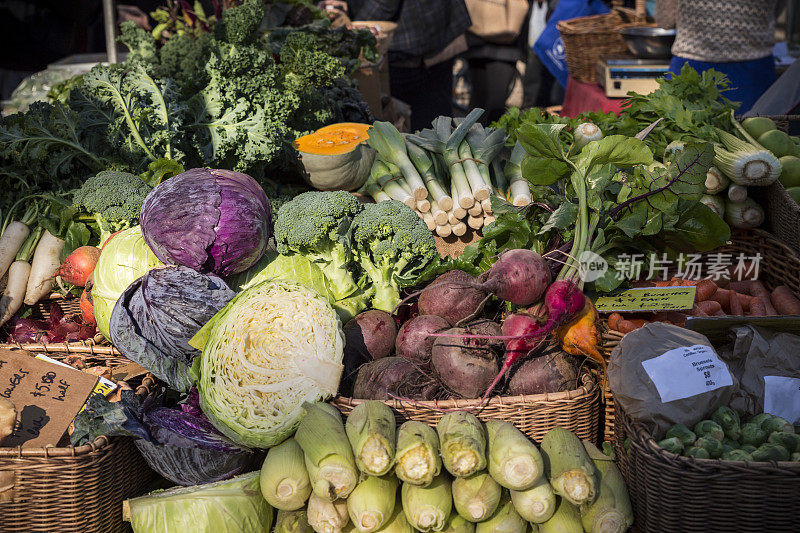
534, 415
779, 265
586, 39
73, 489
674, 494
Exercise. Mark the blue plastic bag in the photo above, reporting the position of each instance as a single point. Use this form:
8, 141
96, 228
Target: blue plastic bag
550, 48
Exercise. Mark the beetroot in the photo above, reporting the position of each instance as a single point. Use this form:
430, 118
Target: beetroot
414, 341
466, 366
454, 296
388, 378
368, 336
552, 371
519, 276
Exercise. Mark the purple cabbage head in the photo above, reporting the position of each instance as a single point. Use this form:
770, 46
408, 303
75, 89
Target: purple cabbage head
210, 220
157, 315
188, 450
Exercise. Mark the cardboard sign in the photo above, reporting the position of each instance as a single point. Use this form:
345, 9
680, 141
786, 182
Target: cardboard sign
47, 397
648, 299
103, 387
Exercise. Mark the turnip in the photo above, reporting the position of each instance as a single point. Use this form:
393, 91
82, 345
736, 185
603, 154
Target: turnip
414, 341
368, 336
454, 296
10, 243
466, 366
46, 259
79, 265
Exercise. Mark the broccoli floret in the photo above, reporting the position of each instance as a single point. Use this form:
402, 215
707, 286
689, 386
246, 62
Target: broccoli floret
392, 245
317, 225
113, 199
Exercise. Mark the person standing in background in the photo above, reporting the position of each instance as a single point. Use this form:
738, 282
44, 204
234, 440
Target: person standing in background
735, 37
430, 33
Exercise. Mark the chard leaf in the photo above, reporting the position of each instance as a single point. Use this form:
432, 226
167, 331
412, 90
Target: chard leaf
632, 223
617, 150
698, 229
653, 224
541, 140
608, 281
562, 218
543, 171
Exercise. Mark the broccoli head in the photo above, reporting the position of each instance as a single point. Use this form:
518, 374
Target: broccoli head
317, 225
113, 199
392, 245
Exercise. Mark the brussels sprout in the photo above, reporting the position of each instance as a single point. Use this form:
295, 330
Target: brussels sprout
771, 452
795, 456
736, 455
698, 453
729, 421
777, 423
682, 433
759, 419
749, 448
727, 447
709, 428
790, 441
711, 445
754, 435
672, 444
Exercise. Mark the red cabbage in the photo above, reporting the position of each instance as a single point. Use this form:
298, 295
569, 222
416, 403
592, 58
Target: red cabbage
193, 466
210, 220
158, 313
176, 428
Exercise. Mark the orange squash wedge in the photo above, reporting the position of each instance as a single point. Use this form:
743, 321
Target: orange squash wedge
336, 157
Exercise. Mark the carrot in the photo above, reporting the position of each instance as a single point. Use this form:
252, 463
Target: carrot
626, 326
696, 311
638, 322
784, 301
671, 317
705, 290
709, 307
643, 284
735, 304
755, 289
580, 335
663, 283
675, 282
757, 307
723, 298
614, 320
743, 287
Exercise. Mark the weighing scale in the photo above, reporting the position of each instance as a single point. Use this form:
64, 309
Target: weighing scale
619, 75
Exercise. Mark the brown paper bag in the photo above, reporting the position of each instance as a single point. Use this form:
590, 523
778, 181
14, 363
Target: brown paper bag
497, 21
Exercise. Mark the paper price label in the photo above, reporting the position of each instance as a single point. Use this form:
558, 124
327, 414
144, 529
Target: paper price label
685, 372
782, 397
648, 299
103, 387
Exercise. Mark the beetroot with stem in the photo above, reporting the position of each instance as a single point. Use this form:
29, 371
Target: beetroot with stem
454, 296
551, 371
519, 276
414, 341
466, 366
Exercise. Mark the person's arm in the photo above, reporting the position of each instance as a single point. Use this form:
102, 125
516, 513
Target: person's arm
666, 13
377, 10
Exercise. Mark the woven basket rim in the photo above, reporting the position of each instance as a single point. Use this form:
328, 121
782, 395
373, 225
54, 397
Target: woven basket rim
73, 451
85, 346
577, 25
586, 389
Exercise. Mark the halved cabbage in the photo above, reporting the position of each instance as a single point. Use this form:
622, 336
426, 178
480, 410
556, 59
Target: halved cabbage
274, 346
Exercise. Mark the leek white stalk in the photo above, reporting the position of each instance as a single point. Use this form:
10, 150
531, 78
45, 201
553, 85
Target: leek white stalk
284, 478
391, 147
476, 497
586, 133
737, 193
462, 439
716, 181
476, 210
459, 229
744, 215
427, 508
715, 203
377, 193
572, 474
429, 221
536, 504
513, 460
611, 512
451, 218
487, 206
439, 214
417, 459
460, 213
505, 520
475, 222
444, 231
519, 190
457, 524
371, 504
480, 189
488, 219
499, 181
370, 427
325, 516
427, 169
423, 206
328, 456
390, 185
292, 522
485, 145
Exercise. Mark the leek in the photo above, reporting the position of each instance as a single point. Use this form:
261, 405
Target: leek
715, 203
476, 210
377, 193
513, 460
460, 213
476, 497
505, 520
566, 519
475, 222
457, 524
487, 206
439, 214
444, 230
427, 169
716, 181
480, 189
292, 522
536, 504
459, 229
519, 190
611, 512
572, 473
328, 456
737, 193
381, 176
417, 459
370, 427
372, 502
586, 133
391, 147
485, 145
500, 183
452, 219
488, 219
423, 206
325, 516
427, 508
429, 221
744, 215
463, 443
284, 479
745, 163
